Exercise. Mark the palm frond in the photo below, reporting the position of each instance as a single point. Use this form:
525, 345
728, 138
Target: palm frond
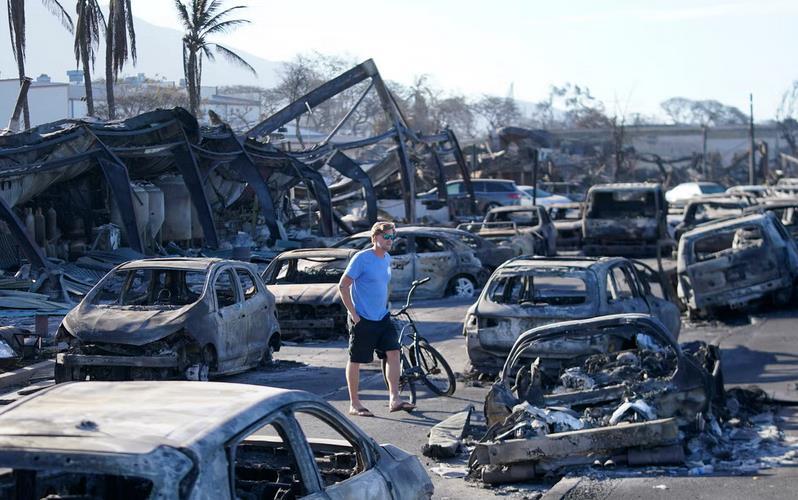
234, 58
183, 14
218, 18
131, 32
16, 27
55, 7
223, 27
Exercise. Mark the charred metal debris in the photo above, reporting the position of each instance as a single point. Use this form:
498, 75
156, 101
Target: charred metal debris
159, 183
619, 390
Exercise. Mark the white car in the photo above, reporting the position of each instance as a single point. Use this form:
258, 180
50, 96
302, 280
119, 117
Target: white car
686, 190
543, 197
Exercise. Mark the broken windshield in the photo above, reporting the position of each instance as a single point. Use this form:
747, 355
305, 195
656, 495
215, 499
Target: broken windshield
627, 203
719, 243
540, 288
151, 287
308, 270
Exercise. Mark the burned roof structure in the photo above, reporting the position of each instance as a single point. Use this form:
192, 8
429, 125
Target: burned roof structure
77, 165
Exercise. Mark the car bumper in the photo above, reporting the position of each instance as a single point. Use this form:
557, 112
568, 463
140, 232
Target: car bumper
78, 360
737, 297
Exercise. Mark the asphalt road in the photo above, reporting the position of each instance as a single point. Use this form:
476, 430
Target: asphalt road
757, 348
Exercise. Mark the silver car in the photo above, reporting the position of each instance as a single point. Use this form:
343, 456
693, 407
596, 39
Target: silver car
182, 440
169, 318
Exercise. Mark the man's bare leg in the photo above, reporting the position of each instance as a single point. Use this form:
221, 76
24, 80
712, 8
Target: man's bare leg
353, 384
392, 375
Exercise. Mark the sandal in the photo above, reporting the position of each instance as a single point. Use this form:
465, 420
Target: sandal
360, 412
404, 405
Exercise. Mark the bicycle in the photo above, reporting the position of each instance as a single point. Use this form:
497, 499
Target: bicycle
418, 360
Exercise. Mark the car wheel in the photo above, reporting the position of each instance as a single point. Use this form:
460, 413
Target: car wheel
462, 286
268, 355
201, 371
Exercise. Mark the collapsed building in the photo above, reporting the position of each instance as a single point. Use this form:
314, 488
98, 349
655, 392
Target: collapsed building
80, 196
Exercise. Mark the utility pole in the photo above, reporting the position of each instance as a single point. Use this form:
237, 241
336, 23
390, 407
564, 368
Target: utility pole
752, 150
704, 153
535, 162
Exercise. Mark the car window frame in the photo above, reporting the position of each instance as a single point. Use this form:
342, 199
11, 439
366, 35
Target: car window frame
303, 455
255, 283
236, 287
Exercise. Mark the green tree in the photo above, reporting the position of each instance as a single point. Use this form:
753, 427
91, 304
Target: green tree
88, 27
16, 28
201, 19
118, 36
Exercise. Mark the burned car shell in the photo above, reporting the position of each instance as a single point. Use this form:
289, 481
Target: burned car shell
689, 391
419, 252
587, 288
704, 210
624, 219
567, 220
197, 339
785, 208
489, 253
733, 262
309, 310
190, 441
535, 237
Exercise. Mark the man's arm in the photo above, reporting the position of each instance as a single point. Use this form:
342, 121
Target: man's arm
345, 289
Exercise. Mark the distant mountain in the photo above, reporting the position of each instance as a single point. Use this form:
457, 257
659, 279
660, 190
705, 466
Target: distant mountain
49, 50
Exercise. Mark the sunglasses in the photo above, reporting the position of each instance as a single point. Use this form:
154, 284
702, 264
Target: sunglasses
389, 237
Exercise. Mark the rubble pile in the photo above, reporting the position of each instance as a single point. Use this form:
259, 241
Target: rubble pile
644, 403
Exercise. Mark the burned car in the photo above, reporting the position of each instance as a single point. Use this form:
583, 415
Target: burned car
567, 220
702, 210
489, 253
624, 219
419, 252
146, 440
305, 287
169, 318
733, 262
528, 230
615, 387
528, 292
785, 208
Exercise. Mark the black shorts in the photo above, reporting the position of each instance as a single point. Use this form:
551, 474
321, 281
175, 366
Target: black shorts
368, 336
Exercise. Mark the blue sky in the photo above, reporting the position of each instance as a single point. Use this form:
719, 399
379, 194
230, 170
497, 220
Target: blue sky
631, 54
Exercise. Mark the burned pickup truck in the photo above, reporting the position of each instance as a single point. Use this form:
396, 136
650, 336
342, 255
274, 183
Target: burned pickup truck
528, 230
616, 387
625, 219
528, 292
305, 287
169, 318
733, 262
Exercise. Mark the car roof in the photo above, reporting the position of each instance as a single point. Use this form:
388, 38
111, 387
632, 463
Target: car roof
724, 224
188, 263
137, 417
625, 185
517, 208
580, 262
338, 253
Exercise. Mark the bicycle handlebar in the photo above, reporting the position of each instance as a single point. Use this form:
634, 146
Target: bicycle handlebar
407, 305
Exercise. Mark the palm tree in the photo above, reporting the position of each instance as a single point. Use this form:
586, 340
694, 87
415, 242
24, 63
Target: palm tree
202, 18
16, 28
90, 24
120, 30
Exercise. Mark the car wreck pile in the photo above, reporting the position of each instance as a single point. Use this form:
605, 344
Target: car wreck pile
615, 390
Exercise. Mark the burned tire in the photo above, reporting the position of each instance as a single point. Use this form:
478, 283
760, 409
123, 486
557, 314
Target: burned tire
462, 286
268, 353
200, 370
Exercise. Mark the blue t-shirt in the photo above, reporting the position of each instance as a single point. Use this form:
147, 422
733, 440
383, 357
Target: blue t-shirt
370, 275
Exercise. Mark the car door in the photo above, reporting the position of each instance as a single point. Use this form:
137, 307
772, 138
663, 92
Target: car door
436, 260
230, 319
402, 265
255, 315
330, 439
623, 293
658, 293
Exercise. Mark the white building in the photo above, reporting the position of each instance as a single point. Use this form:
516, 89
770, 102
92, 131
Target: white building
47, 101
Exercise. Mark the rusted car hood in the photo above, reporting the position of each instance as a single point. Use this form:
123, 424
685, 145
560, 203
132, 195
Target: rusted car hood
125, 325
322, 294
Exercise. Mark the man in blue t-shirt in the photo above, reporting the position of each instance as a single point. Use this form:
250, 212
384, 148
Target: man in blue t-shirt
364, 291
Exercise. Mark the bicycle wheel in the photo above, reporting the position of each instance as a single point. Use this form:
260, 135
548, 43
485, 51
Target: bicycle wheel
407, 387
436, 373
